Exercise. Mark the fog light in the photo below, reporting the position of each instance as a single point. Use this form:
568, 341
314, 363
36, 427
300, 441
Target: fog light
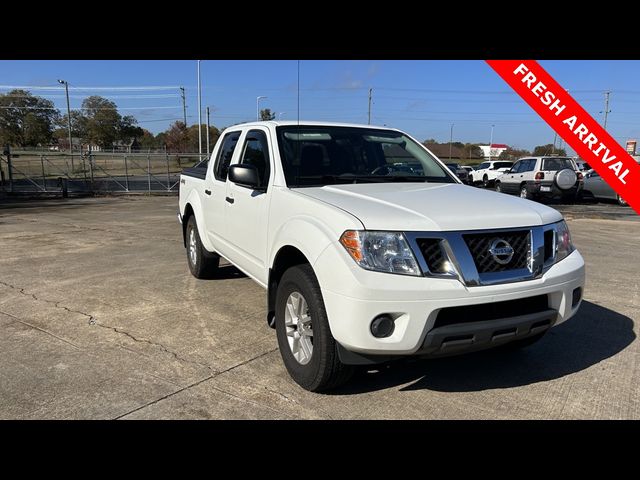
577, 296
382, 326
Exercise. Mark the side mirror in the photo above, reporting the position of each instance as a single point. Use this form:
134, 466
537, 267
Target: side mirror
245, 175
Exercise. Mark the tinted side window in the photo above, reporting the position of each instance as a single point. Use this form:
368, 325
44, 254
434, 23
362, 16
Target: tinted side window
482, 166
256, 153
225, 153
517, 167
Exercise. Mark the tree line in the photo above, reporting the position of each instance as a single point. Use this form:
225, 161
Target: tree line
28, 121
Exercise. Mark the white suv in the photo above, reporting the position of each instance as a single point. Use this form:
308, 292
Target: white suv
536, 177
487, 172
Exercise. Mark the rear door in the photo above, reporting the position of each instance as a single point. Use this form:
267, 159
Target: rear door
246, 210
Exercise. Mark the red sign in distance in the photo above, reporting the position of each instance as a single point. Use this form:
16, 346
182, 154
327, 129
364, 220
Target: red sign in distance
556, 107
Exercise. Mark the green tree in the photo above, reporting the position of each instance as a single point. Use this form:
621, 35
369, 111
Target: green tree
148, 140
25, 119
548, 149
266, 114
513, 154
472, 150
102, 121
176, 137
128, 128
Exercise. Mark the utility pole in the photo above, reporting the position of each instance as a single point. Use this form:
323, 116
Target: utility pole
606, 108
369, 120
553, 150
184, 106
66, 88
491, 142
207, 132
451, 141
199, 116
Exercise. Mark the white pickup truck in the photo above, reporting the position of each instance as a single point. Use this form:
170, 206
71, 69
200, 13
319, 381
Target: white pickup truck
364, 264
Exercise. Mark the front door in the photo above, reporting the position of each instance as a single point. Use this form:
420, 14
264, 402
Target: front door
247, 210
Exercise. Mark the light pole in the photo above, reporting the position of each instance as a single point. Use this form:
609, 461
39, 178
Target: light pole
491, 142
258, 107
207, 132
199, 116
66, 88
450, 141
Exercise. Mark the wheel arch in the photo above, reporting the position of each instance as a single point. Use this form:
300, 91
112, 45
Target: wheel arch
188, 213
287, 256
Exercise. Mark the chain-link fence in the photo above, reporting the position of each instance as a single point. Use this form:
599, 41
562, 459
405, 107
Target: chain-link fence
53, 172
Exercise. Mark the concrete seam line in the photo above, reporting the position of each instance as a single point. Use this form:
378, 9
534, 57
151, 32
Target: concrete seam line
195, 384
19, 320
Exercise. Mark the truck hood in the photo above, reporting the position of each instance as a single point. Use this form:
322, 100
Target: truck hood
431, 207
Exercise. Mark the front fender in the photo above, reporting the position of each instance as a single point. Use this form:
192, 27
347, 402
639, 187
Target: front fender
304, 232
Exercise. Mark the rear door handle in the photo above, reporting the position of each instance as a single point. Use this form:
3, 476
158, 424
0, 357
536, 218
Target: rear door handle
229, 199
208, 192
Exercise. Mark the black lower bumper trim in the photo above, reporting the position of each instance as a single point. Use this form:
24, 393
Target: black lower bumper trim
468, 337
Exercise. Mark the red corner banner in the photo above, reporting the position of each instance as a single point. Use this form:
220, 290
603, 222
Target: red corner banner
556, 107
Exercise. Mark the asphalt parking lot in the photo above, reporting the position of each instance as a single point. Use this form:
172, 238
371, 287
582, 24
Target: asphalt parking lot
100, 319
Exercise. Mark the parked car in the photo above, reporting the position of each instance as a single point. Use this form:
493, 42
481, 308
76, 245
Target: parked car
596, 187
487, 172
536, 177
362, 268
469, 169
460, 172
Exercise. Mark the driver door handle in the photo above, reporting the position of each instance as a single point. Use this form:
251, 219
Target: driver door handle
208, 192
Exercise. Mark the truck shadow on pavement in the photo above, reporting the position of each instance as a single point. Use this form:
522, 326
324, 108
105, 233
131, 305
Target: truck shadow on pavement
594, 334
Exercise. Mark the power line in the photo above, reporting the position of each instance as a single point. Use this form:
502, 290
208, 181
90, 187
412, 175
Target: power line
39, 87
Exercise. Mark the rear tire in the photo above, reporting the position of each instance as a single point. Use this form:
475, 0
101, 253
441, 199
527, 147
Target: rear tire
314, 366
202, 264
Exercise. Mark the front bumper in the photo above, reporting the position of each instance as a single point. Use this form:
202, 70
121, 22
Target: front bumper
414, 303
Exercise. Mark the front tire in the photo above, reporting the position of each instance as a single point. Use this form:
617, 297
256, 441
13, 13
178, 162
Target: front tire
202, 263
498, 187
524, 193
308, 350
485, 181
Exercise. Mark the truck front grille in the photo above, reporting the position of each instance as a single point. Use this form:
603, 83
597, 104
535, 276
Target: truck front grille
480, 243
432, 252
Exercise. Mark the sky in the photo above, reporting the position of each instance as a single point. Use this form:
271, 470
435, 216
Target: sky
422, 97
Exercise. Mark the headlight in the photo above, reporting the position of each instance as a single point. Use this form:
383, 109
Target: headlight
563, 241
380, 251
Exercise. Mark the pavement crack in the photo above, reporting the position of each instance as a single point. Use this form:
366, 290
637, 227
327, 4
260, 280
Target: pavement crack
92, 321
195, 384
55, 303
155, 344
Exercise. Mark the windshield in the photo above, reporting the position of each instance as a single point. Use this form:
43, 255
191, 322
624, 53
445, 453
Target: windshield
325, 155
498, 165
554, 164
